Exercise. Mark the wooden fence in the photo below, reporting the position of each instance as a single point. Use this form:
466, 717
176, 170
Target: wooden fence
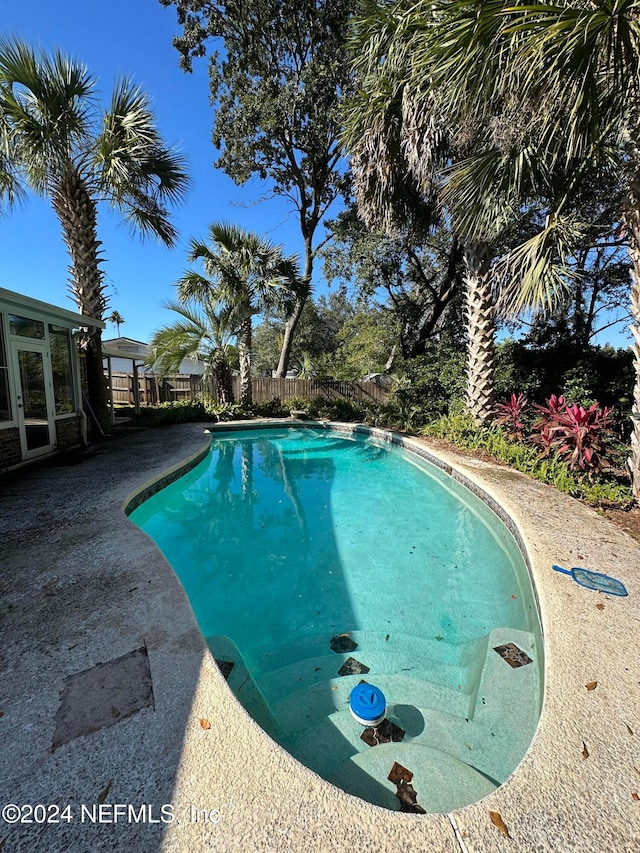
153, 390
309, 389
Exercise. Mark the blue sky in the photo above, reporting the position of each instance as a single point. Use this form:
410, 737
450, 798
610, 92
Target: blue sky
133, 38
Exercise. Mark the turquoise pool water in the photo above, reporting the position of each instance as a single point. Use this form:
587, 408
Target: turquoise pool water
287, 539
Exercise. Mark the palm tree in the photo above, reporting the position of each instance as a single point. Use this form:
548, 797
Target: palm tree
65, 148
117, 319
402, 143
569, 73
246, 273
202, 334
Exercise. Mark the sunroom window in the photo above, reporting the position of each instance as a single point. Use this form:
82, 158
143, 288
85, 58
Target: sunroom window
26, 327
60, 345
5, 405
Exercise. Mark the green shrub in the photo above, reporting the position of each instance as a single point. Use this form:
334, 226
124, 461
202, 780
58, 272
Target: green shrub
174, 412
461, 430
342, 410
273, 408
301, 404
581, 374
426, 388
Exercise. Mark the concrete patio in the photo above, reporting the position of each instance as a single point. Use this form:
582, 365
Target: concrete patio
80, 585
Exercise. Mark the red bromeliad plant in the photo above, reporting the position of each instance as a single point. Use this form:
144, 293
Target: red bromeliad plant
545, 427
555, 405
581, 436
576, 434
544, 438
511, 416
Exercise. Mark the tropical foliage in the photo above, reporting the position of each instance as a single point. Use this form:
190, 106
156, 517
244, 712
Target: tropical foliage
202, 334
533, 102
461, 429
575, 434
58, 142
403, 139
248, 275
510, 416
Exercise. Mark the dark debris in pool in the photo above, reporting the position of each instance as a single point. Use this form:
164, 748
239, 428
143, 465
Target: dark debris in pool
353, 667
225, 667
514, 656
408, 797
406, 793
342, 643
386, 732
399, 772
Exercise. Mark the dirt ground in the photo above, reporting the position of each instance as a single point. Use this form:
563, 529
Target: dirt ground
627, 520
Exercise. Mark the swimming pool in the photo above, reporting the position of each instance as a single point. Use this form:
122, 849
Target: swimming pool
315, 559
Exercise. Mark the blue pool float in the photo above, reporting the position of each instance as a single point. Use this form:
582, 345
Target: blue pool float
367, 704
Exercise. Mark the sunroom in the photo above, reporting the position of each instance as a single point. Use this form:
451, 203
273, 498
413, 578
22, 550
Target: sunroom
40, 382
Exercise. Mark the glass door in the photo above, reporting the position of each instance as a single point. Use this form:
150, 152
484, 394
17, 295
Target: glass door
36, 411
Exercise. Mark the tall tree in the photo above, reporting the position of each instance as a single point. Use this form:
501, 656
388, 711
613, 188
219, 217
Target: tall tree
202, 332
402, 144
246, 273
418, 278
65, 148
314, 338
276, 83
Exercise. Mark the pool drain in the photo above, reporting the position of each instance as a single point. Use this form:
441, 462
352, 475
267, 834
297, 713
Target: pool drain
367, 704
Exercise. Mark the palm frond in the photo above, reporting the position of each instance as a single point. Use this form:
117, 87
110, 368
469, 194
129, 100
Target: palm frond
192, 285
46, 107
145, 216
11, 189
138, 173
535, 275
585, 55
241, 269
201, 333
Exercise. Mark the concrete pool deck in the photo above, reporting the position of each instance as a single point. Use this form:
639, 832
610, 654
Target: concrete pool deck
80, 585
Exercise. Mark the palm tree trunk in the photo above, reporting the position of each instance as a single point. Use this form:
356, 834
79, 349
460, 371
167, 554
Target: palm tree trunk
244, 354
634, 252
77, 213
223, 382
480, 332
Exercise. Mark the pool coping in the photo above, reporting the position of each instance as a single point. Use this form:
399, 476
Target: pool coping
572, 791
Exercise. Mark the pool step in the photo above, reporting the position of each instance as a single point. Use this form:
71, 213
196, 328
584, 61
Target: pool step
487, 730
302, 708
493, 748
303, 674
369, 643
243, 685
441, 781
493, 740
505, 692
451, 671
